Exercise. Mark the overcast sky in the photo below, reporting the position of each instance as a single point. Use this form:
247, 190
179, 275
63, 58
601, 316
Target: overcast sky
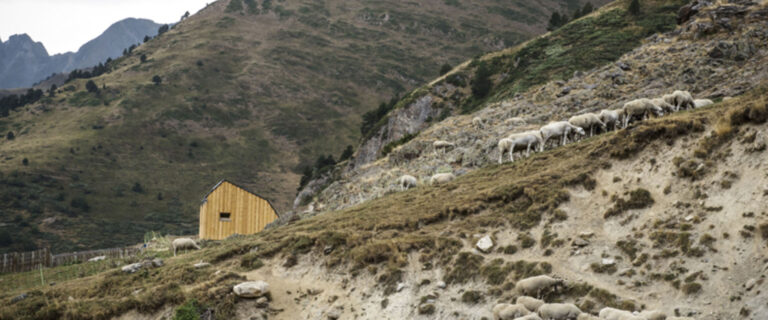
65, 25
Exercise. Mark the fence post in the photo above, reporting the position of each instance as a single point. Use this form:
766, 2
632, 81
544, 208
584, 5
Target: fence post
42, 279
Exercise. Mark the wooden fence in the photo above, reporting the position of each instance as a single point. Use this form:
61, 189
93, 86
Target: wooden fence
26, 261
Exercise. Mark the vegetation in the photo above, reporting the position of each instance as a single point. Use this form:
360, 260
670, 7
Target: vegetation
638, 199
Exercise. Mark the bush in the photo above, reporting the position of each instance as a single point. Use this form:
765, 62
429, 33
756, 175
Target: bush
445, 68
638, 199
471, 297
481, 84
80, 203
91, 86
634, 7
251, 261
190, 310
137, 188
157, 80
691, 288
10, 135
347, 153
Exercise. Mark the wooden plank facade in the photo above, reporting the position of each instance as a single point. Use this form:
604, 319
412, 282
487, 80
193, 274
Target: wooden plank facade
230, 209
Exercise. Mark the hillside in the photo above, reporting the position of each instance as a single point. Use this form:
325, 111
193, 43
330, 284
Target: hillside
667, 214
250, 91
24, 62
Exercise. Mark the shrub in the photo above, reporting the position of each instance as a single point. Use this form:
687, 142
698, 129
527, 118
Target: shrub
80, 203
638, 199
394, 144
456, 79
143, 58
137, 188
471, 297
157, 80
691, 288
251, 261
347, 153
25, 161
91, 86
482, 84
445, 68
10, 135
634, 7
190, 310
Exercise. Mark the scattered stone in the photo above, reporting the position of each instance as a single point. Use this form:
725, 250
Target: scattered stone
564, 92
586, 234
251, 289
201, 264
19, 298
334, 314
750, 284
608, 261
400, 287
441, 284
133, 267
623, 65
99, 258
689, 218
70, 298
157, 262
328, 249
485, 244
262, 302
579, 242
427, 308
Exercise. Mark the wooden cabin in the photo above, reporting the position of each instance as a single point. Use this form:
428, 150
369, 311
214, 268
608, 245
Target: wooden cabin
231, 209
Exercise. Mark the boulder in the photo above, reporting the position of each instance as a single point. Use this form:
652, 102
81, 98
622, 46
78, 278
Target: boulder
99, 258
19, 298
262, 302
484, 244
133, 267
441, 284
201, 265
251, 289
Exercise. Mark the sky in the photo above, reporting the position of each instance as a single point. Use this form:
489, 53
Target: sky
65, 25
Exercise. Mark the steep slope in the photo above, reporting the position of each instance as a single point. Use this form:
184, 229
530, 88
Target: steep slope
251, 91
24, 62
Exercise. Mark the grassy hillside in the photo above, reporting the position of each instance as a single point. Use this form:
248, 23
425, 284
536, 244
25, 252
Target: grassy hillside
251, 91
385, 240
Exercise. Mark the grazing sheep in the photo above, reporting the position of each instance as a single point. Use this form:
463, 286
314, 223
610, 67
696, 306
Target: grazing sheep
531, 316
661, 103
653, 315
640, 107
183, 243
680, 99
617, 314
558, 129
611, 117
698, 103
407, 181
530, 303
586, 316
587, 121
536, 285
559, 311
528, 139
506, 311
680, 318
442, 145
478, 123
441, 178
516, 121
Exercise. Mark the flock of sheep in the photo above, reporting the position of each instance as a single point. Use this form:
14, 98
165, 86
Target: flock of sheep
576, 126
529, 308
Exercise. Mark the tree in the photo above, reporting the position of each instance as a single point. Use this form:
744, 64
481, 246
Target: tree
146, 38
52, 90
10, 135
577, 14
157, 80
91, 86
137, 188
347, 153
186, 15
25, 161
481, 84
634, 7
445, 69
163, 29
587, 9
555, 21
143, 58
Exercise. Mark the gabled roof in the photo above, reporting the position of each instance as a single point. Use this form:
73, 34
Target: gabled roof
205, 198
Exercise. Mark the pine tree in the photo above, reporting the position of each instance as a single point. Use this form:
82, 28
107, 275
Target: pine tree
157, 80
91, 86
587, 9
554, 21
146, 38
347, 153
445, 69
481, 84
143, 58
634, 7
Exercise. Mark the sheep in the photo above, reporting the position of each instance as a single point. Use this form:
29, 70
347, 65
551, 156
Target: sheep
680, 318
559, 311
558, 129
587, 120
698, 103
586, 316
661, 103
441, 178
680, 99
640, 107
653, 315
478, 123
611, 117
506, 311
530, 303
536, 285
183, 243
442, 145
528, 139
531, 316
608, 313
407, 181
516, 121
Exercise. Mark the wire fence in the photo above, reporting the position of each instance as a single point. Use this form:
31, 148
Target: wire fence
26, 261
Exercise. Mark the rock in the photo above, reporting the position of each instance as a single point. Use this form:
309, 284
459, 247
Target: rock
441, 284
608, 261
750, 284
686, 12
133, 267
334, 314
689, 217
251, 289
586, 234
262, 302
485, 244
400, 287
623, 66
19, 298
579, 242
564, 92
99, 258
157, 262
427, 308
201, 265
70, 298
327, 250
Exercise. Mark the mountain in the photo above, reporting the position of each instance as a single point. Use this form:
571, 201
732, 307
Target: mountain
665, 215
24, 62
249, 91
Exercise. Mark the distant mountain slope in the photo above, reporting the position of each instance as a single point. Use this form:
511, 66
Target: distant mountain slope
24, 62
247, 90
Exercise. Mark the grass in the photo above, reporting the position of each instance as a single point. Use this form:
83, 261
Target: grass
638, 199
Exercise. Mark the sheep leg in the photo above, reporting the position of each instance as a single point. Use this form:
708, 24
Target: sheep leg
528, 151
591, 131
511, 155
501, 156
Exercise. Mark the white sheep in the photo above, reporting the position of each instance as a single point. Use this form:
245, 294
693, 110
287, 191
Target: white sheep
558, 129
528, 139
587, 121
530, 303
516, 121
608, 313
680, 99
559, 311
698, 103
506, 311
183, 243
653, 315
663, 104
441, 178
586, 316
680, 318
442, 145
611, 117
407, 181
640, 107
531, 316
478, 123
537, 284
